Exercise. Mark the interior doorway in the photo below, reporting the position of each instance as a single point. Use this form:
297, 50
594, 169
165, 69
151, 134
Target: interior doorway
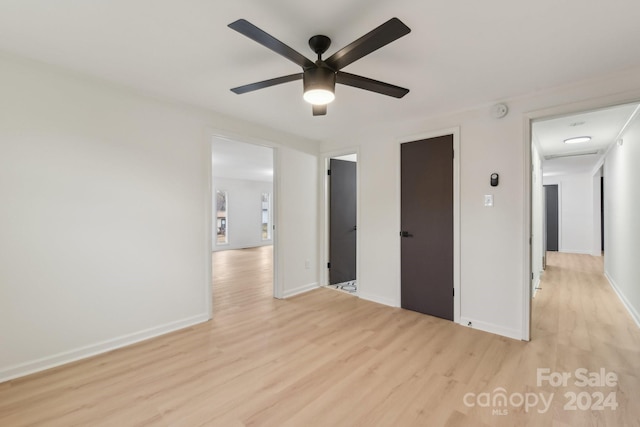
243, 238
568, 152
342, 222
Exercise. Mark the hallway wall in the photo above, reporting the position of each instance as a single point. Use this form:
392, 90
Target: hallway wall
575, 211
244, 212
622, 227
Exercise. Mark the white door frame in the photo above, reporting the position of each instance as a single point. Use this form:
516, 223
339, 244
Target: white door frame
324, 217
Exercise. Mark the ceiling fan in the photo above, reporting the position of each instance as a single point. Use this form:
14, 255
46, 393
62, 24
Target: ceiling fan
320, 77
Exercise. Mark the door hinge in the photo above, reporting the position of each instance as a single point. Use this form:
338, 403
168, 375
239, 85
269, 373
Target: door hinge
328, 265
329, 172
453, 154
532, 275
454, 292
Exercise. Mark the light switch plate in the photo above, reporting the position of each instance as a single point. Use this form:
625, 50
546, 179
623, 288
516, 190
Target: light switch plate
488, 200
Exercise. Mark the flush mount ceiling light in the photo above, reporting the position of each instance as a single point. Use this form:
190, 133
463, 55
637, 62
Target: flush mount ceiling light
577, 140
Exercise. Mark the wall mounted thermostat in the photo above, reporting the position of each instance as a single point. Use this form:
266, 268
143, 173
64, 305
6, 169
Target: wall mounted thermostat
494, 179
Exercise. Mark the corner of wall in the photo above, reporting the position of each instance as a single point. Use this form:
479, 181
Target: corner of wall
299, 290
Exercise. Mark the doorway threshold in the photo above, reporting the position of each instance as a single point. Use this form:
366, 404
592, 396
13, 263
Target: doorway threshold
350, 287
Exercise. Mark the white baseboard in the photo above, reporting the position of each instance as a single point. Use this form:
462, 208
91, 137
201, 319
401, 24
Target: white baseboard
63, 358
516, 334
632, 311
380, 300
575, 251
300, 290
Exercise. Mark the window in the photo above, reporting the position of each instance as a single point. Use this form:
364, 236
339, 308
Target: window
221, 218
266, 216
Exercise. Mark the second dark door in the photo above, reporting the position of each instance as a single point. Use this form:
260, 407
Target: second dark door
427, 226
551, 216
342, 221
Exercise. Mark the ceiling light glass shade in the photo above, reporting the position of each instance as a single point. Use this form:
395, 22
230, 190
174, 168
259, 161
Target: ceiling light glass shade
319, 86
577, 140
319, 96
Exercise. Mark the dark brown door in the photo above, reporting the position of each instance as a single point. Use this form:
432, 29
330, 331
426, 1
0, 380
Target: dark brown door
551, 203
427, 226
342, 221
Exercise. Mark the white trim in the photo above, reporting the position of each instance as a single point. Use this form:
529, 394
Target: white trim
632, 311
97, 348
527, 237
491, 328
536, 286
209, 225
325, 157
575, 251
455, 131
278, 261
379, 300
300, 290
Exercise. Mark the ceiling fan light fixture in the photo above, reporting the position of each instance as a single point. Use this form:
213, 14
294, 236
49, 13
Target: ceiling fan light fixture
319, 96
319, 86
577, 140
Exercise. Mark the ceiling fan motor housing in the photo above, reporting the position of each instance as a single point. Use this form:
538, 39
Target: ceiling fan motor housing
320, 78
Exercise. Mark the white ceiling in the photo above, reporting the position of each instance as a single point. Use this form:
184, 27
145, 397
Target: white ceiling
603, 126
238, 160
459, 54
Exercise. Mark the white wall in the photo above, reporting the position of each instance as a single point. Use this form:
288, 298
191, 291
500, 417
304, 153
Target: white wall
537, 222
494, 241
622, 228
105, 214
244, 212
575, 209
297, 188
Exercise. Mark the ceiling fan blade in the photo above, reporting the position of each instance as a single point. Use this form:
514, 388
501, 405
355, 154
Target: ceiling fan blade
246, 28
390, 31
370, 84
266, 83
320, 110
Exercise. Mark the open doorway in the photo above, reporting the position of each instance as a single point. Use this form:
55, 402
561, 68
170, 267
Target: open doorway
342, 219
567, 174
243, 196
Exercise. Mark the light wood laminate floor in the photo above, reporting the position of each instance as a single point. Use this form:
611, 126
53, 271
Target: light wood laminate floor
326, 358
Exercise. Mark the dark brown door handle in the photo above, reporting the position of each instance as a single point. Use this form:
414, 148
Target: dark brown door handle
405, 234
